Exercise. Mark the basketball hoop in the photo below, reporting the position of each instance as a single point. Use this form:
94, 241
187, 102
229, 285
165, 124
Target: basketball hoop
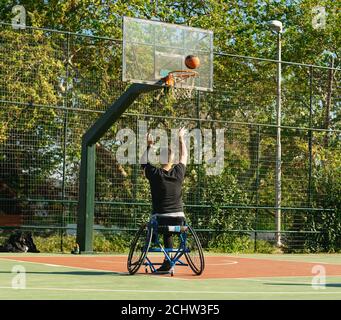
181, 83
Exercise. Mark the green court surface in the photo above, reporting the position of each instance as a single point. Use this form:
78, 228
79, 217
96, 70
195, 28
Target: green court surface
50, 281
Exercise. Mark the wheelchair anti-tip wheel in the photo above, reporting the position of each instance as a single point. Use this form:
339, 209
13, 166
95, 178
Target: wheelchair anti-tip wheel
139, 248
193, 252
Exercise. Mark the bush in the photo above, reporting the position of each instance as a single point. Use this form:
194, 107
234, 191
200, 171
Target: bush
327, 195
119, 243
234, 243
102, 243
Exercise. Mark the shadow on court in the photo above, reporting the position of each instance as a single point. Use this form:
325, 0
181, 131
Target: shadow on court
327, 285
72, 273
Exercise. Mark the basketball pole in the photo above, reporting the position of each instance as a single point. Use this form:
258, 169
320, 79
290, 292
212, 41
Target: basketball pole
86, 203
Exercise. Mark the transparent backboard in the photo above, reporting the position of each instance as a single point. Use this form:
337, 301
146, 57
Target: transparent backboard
151, 49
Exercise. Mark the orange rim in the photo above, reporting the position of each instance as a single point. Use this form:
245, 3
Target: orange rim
178, 76
169, 80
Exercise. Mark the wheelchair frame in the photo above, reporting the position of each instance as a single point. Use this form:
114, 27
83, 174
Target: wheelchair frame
152, 244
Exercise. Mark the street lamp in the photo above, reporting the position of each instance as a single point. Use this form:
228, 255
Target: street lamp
277, 26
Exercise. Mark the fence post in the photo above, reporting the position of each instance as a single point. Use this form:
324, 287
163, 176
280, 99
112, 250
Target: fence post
197, 102
310, 133
134, 177
257, 186
65, 124
328, 102
198, 197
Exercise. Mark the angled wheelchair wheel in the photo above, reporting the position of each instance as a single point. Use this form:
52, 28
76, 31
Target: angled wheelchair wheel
194, 253
139, 248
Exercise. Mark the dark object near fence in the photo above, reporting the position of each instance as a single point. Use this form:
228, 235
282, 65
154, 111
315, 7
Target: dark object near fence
19, 242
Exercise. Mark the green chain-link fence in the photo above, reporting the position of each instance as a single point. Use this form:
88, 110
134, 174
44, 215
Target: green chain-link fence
54, 85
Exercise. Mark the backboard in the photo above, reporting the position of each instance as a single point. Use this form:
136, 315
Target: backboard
151, 49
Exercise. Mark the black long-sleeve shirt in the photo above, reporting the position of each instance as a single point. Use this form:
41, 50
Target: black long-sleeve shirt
166, 187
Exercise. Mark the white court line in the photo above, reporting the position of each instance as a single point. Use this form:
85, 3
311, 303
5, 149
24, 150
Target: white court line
315, 292
228, 262
108, 261
287, 259
284, 280
162, 276
276, 281
50, 265
317, 262
63, 266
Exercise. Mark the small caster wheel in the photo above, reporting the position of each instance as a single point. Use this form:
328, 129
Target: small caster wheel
172, 273
146, 270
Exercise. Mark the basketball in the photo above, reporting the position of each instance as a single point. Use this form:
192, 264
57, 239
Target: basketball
192, 62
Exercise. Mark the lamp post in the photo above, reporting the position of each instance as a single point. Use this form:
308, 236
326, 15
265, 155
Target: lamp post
276, 26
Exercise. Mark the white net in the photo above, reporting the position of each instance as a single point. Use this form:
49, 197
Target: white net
183, 84
181, 93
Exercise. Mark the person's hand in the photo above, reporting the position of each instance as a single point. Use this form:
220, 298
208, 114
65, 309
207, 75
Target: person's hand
182, 132
150, 139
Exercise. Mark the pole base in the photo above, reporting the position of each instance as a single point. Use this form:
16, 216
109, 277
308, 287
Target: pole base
86, 252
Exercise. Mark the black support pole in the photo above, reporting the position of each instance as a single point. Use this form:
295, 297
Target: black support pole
86, 205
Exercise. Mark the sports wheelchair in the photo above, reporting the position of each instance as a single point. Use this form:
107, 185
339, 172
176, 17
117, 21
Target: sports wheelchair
146, 241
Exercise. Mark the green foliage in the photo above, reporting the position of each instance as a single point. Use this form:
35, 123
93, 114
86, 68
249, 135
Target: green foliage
54, 85
102, 243
112, 243
327, 195
225, 189
238, 243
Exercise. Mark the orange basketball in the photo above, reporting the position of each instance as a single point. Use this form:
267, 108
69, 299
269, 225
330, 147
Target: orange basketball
192, 62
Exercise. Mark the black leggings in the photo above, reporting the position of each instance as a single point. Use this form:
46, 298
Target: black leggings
169, 221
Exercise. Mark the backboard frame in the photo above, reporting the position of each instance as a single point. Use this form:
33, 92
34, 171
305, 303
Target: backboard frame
180, 50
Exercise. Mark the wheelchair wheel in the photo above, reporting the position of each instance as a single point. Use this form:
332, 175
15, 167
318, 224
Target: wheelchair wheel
139, 248
193, 253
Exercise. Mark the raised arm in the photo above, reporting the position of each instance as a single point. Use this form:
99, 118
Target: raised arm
183, 148
150, 141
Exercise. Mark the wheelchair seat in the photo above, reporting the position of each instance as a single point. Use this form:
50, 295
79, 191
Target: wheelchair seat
166, 224
166, 220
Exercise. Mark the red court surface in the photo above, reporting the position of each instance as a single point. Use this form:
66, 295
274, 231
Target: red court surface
215, 266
